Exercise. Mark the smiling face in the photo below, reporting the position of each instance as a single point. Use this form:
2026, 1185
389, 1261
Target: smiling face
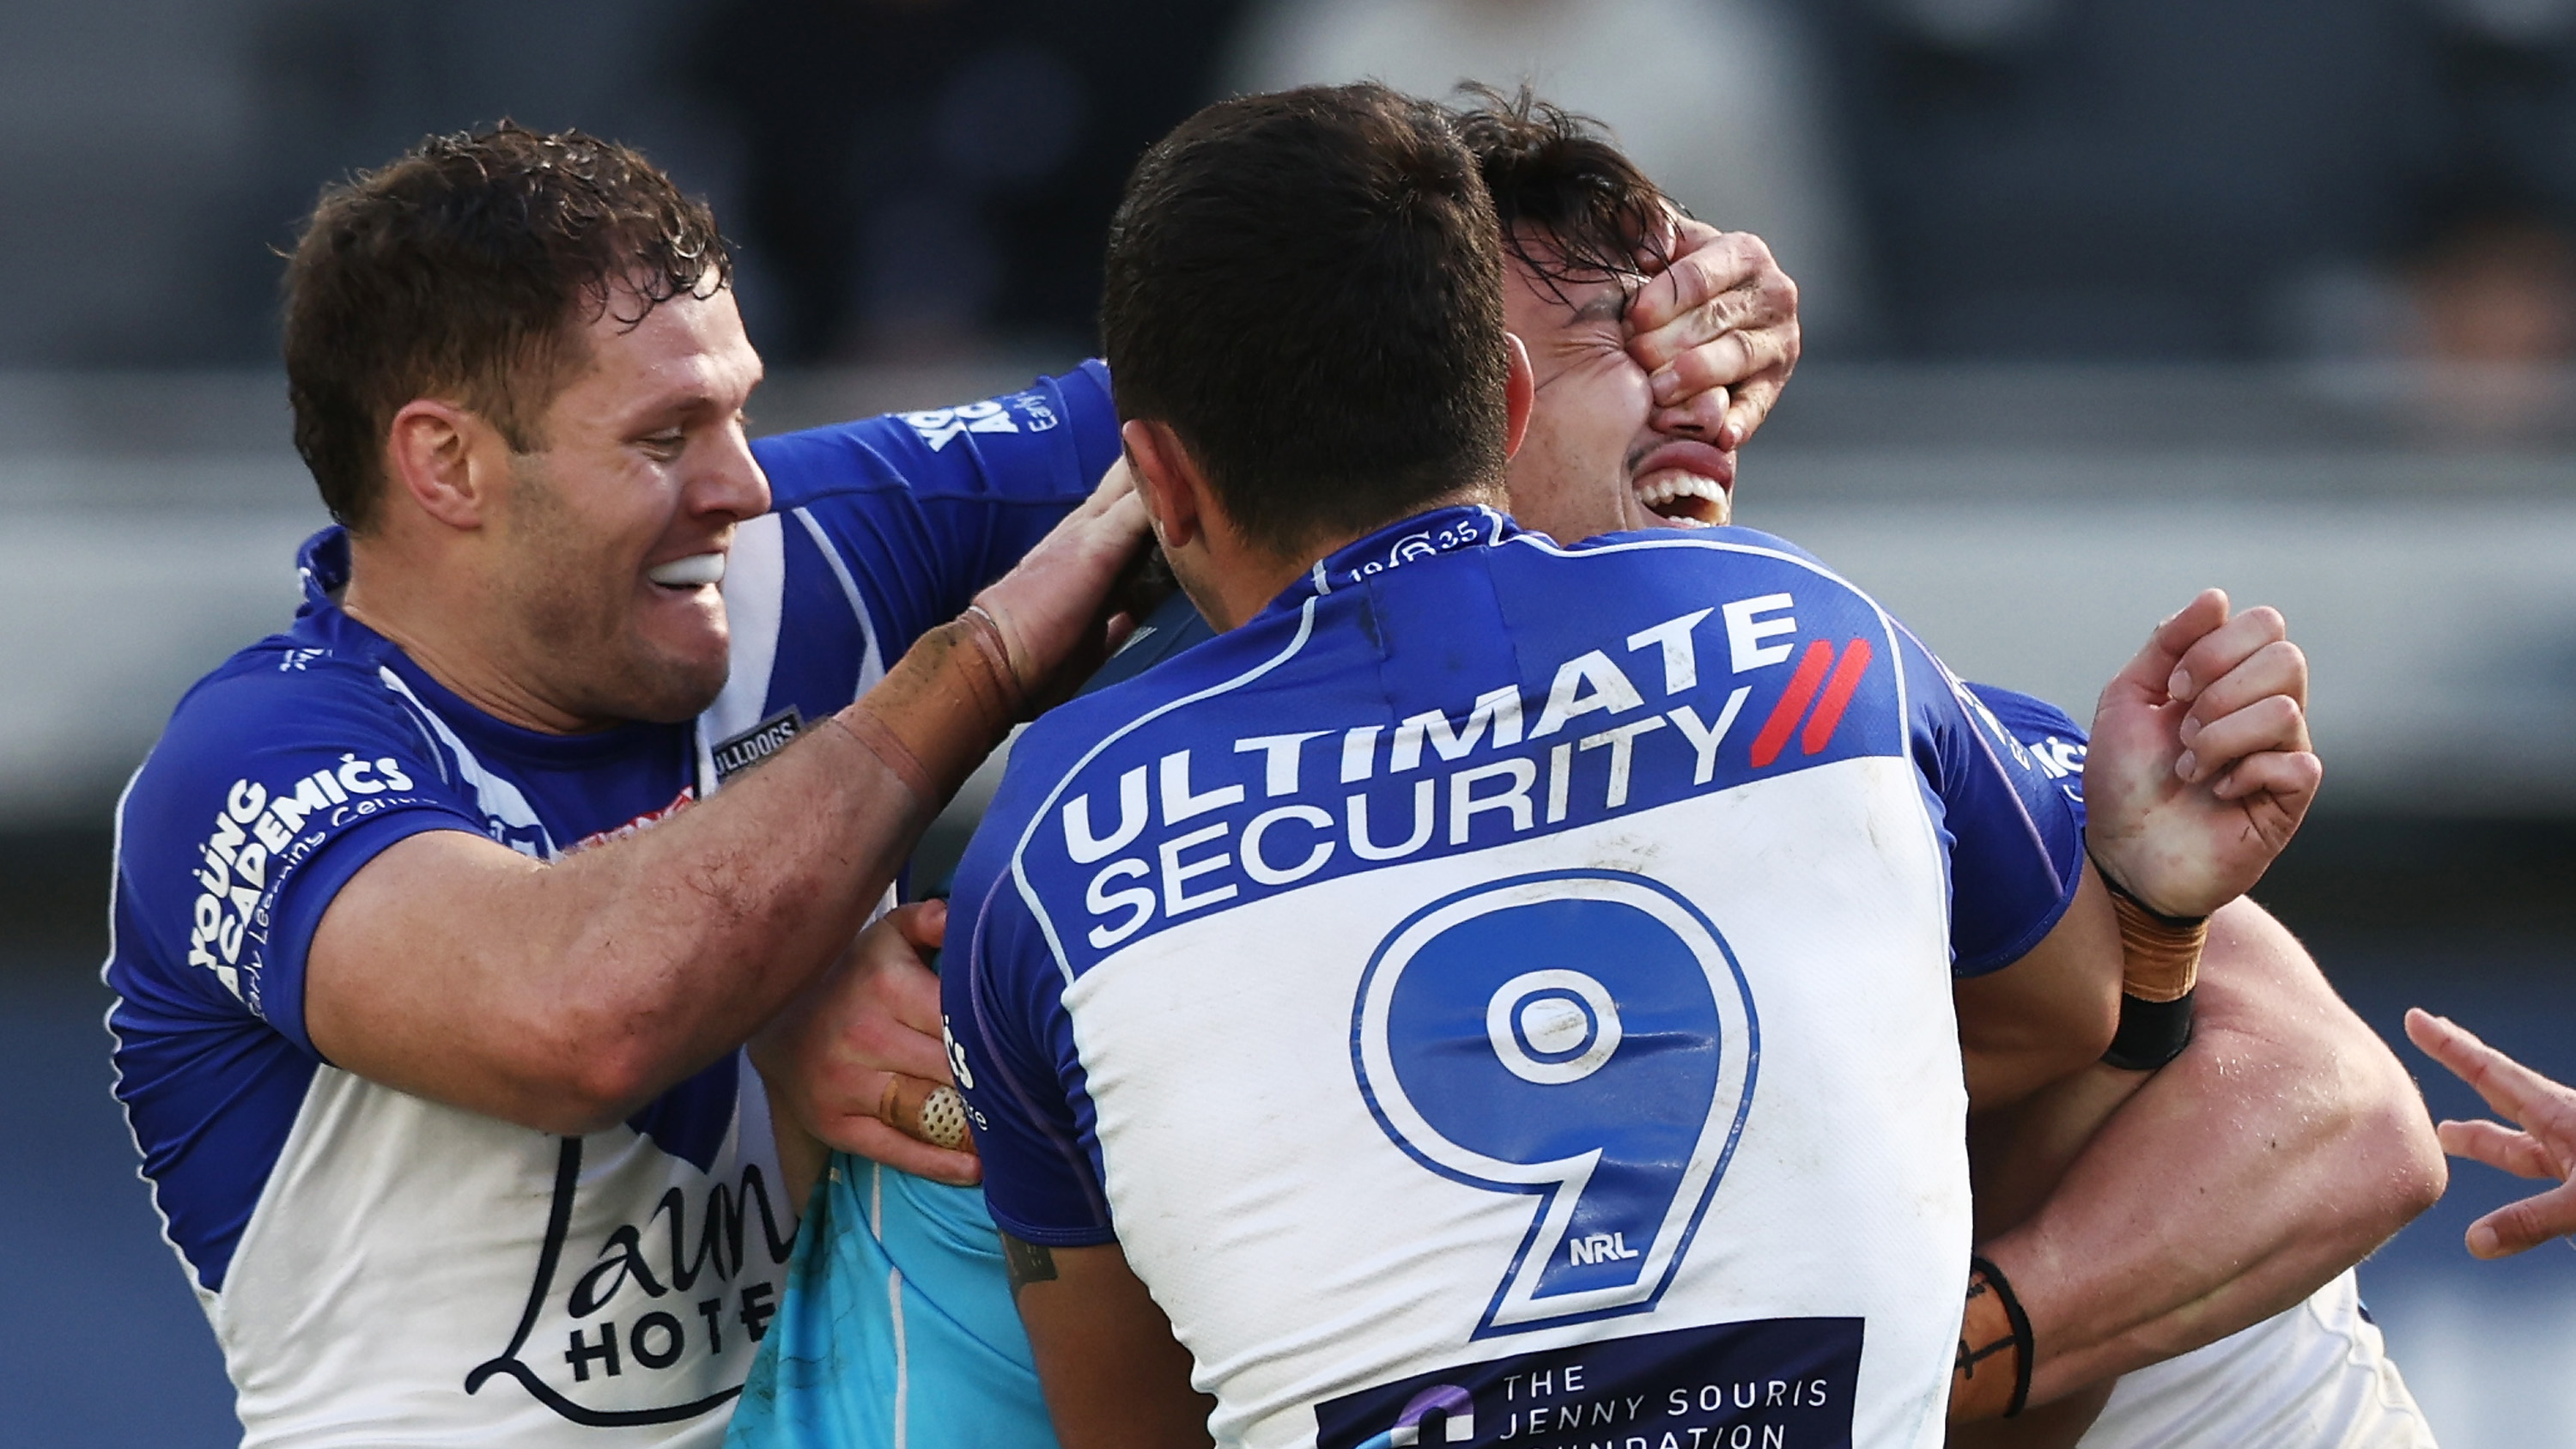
610, 539
1592, 463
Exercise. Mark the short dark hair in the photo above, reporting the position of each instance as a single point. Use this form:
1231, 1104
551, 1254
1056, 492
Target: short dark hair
468, 268
1307, 288
1560, 174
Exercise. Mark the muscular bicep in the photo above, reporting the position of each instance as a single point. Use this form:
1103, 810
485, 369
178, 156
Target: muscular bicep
402, 985
1114, 1375
2050, 1013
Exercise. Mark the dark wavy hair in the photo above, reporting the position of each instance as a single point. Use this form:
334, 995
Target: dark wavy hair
1562, 176
467, 269
1306, 287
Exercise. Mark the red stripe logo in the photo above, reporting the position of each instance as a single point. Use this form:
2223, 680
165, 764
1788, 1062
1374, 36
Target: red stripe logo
1814, 667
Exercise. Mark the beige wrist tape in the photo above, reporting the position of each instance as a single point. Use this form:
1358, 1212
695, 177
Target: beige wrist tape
943, 707
2160, 956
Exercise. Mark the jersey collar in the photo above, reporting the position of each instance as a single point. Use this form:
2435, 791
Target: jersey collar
1409, 540
322, 565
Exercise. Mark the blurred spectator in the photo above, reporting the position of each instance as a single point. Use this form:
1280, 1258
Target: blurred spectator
926, 175
1715, 99
2499, 288
2127, 178
2152, 179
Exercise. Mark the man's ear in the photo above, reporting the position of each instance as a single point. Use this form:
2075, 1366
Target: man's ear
1520, 395
1175, 491
429, 458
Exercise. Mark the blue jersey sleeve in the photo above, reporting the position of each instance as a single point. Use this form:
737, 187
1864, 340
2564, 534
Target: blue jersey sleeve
918, 511
2015, 839
277, 780
1011, 1045
2057, 744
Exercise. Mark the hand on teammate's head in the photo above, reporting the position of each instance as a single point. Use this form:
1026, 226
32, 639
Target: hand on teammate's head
2201, 767
2542, 1146
1717, 332
1057, 609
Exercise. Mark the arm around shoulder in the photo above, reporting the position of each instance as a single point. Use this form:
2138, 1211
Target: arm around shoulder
2283, 1145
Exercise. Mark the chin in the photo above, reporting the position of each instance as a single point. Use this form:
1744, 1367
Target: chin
670, 686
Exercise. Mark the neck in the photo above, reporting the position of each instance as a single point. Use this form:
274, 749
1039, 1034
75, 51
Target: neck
418, 614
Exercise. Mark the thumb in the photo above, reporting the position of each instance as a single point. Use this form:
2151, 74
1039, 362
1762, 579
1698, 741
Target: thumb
923, 923
2149, 674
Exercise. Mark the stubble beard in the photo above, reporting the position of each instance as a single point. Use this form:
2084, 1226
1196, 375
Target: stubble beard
571, 606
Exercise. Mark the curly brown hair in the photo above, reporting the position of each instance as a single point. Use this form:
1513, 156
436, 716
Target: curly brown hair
468, 269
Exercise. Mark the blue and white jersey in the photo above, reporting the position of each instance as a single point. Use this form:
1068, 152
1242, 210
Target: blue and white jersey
383, 1269
1502, 992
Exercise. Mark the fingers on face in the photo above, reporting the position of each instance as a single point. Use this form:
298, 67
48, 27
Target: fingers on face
1703, 416
1731, 285
1719, 362
1706, 264
2497, 1145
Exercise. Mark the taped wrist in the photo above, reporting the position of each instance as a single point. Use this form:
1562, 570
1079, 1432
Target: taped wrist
1991, 1378
2160, 966
943, 707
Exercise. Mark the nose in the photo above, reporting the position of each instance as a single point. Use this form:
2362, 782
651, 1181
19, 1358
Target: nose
731, 483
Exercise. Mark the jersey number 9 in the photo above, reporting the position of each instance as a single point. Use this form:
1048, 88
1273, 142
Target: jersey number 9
1584, 1037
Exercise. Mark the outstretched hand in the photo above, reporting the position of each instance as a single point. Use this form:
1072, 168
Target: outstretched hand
2201, 768
2542, 1146
875, 1015
1717, 332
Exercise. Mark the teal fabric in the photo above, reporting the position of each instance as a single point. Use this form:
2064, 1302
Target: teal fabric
897, 1331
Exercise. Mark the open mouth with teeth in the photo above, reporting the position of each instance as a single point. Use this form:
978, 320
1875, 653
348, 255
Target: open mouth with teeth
1687, 484
1684, 498
683, 574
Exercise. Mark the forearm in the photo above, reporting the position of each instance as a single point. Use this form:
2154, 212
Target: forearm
2279, 1148
569, 993
1114, 1375
703, 934
2049, 1015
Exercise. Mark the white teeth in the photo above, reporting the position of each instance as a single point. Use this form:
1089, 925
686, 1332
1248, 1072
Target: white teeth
688, 573
1680, 485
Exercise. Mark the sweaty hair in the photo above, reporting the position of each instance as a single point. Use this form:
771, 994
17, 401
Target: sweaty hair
1306, 287
466, 270
1559, 174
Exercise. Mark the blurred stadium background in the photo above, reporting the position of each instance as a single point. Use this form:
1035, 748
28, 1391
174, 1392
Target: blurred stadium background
2108, 299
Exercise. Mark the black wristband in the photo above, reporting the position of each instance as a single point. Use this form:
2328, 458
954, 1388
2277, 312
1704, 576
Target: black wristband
2151, 1033
2020, 1321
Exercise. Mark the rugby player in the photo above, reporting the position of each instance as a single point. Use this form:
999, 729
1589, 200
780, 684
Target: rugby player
1315, 1266
2286, 1133
433, 964
434, 959
2282, 1090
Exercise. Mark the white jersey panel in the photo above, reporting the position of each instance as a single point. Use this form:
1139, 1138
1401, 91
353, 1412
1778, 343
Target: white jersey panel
417, 1274
2316, 1376
1839, 995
